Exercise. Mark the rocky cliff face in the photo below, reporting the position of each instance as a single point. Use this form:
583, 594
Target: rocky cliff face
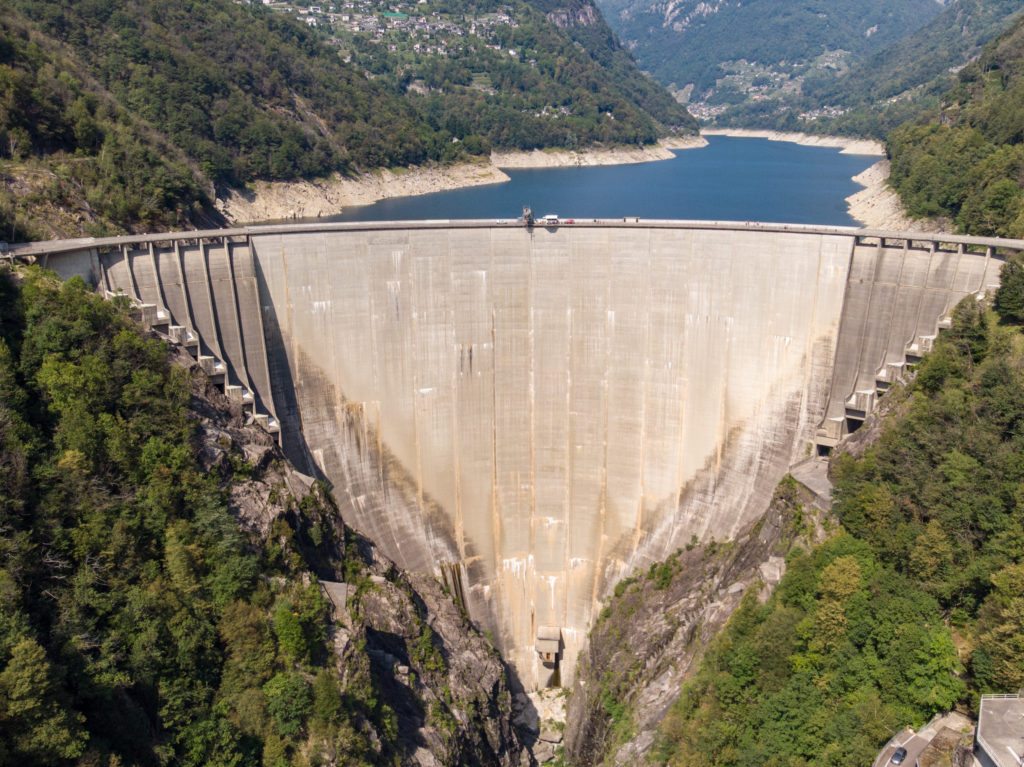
652, 633
584, 15
402, 644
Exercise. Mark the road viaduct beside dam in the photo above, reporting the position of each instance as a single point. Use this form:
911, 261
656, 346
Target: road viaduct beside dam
533, 412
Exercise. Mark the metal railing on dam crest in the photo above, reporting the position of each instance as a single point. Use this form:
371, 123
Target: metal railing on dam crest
536, 411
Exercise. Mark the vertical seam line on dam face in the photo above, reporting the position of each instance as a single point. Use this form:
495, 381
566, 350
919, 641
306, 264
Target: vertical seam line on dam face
921, 295
456, 425
680, 452
265, 361
873, 298
497, 531
720, 435
984, 270
892, 314
865, 321
529, 569
204, 252
158, 287
570, 454
129, 259
892, 308
242, 370
812, 337
952, 280
843, 321
603, 500
410, 288
190, 323
638, 523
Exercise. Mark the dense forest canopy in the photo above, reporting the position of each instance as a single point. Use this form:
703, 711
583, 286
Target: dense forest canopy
528, 83
915, 606
965, 160
144, 619
135, 621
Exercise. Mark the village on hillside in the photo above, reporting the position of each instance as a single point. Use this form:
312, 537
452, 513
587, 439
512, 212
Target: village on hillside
399, 24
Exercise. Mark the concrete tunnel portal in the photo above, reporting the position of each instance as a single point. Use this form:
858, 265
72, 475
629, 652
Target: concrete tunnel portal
531, 413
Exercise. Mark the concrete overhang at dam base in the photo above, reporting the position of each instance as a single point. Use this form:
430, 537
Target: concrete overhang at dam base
534, 412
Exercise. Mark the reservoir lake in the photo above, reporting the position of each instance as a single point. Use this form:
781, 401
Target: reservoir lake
731, 179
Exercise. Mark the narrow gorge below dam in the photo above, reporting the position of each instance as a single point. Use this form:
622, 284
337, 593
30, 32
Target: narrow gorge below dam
531, 413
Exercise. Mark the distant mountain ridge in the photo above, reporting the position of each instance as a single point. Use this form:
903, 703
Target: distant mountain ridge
857, 67
898, 83
688, 41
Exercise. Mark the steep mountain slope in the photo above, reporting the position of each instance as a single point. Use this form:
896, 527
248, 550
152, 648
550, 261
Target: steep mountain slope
160, 566
516, 74
71, 158
894, 85
853, 68
129, 115
697, 42
911, 606
965, 160
868, 631
945, 44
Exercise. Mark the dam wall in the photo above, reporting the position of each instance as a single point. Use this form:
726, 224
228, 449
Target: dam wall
533, 413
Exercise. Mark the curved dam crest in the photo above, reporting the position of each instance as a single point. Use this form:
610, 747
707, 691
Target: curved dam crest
533, 413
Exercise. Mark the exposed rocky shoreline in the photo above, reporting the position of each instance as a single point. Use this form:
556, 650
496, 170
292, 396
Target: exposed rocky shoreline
279, 200
560, 158
877, 206
844, 144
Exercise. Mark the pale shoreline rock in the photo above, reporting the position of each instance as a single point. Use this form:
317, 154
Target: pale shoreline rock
877, 206
561, 158
279, 200
271, 201
845, 144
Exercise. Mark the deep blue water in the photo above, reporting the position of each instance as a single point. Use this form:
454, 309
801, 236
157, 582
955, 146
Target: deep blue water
731, 179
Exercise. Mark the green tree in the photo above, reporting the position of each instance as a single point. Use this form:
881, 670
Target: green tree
290, 631
999, 657
1009, 299
289, 702
35, 722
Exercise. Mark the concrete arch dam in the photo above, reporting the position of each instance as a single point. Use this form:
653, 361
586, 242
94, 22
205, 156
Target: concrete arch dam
532, 413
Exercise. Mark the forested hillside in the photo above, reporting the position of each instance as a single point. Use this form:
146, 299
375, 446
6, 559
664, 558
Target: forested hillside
848, 68
965, 160
73, 159
899, 82
915, 605
873, 96
128, 116
551, 75
159, 564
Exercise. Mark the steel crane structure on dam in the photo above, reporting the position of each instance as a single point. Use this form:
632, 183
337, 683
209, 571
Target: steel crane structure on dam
534, 412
